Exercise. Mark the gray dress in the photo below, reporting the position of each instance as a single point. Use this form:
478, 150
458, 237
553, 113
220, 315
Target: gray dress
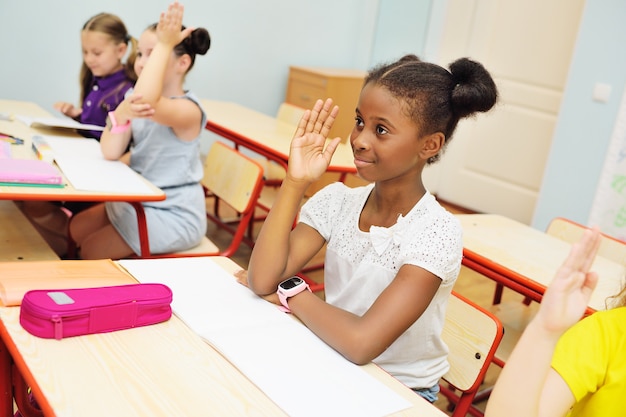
174, 165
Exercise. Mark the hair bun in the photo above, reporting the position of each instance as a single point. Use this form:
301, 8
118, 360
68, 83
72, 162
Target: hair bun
200, 40
475, 90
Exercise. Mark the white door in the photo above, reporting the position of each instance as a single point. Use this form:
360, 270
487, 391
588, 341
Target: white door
495, 162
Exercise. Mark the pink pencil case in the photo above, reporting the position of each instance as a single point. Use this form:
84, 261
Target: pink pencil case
74, 312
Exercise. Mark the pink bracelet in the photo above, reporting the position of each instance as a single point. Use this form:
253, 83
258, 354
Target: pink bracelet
116, 128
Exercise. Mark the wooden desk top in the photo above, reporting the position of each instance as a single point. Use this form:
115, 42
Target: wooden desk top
67, 193
160, 370
268, 133
530, 255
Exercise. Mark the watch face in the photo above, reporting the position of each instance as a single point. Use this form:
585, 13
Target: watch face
291, 283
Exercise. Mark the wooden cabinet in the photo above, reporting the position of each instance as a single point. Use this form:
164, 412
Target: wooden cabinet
307, 84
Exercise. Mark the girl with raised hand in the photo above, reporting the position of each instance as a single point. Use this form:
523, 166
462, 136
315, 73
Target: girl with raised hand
164, 122
562, 365
392, 252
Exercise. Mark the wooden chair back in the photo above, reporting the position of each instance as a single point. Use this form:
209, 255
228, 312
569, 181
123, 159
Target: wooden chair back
237, 180
571, 232
233, 177
473, 335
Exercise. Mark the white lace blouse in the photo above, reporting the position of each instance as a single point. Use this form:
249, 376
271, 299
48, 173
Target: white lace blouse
360, 265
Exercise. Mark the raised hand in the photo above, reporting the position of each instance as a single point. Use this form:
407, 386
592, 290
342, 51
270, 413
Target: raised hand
170, 24
568, 295
309, 155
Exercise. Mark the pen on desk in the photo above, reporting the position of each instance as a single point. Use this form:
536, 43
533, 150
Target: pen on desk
11, 139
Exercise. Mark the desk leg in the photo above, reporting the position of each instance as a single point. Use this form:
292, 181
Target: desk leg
6, 383
142, 227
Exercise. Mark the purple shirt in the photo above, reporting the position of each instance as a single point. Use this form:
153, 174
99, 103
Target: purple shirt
104, 95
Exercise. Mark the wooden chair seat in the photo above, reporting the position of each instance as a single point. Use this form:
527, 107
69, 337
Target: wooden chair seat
236, 180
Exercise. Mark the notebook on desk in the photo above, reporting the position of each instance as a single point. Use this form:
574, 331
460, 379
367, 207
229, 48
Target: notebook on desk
29, 172
56, 123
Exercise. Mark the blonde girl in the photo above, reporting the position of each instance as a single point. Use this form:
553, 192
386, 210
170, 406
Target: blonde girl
104, 76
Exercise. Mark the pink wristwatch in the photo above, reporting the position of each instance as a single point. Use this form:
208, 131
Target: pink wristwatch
116, 128
288, 288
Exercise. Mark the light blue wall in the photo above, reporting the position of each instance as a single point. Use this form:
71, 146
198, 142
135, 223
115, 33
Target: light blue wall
584, 126
254, 42
401, 28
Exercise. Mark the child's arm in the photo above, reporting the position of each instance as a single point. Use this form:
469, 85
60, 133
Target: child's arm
362, 338
289, 250
280, 252
182, 115
562, 306
114, 145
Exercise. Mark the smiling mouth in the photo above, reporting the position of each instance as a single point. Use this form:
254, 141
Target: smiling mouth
361, 162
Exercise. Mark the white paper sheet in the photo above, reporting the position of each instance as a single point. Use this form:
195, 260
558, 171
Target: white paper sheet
82, 162
299, 372
57, 122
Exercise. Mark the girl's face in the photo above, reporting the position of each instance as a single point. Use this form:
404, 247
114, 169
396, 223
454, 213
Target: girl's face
385, 141
100, 53
146, 43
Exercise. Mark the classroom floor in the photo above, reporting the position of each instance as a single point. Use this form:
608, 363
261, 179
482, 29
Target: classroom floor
470, 284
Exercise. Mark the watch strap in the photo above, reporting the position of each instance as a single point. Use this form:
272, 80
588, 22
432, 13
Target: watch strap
115, 127
284, 297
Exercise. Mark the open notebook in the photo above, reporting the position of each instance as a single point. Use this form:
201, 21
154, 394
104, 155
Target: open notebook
85, 167
57, 123
29, 172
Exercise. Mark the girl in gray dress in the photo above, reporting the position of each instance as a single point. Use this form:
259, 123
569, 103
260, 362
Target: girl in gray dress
164, 122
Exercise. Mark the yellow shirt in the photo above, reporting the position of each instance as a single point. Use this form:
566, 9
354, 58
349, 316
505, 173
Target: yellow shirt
591, 358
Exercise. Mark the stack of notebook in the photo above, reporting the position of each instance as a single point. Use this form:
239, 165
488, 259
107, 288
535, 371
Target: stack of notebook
29, 172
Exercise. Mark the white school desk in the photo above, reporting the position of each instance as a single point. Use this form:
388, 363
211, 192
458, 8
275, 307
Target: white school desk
19, 240
67, 193
525, 259
159, 370
264, 134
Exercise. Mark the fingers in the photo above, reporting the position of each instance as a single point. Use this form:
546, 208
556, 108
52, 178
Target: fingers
331, 148
64, 107
315, 113
302, 124
583, 252
329, 114
170, 22
241, 277
591, 243
320, 119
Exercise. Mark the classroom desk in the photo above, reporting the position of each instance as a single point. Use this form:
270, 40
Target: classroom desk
67, 193
264, 134
19, 240
159, 370
525, 259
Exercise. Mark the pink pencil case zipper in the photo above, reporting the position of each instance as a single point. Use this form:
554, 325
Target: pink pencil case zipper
79, 311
